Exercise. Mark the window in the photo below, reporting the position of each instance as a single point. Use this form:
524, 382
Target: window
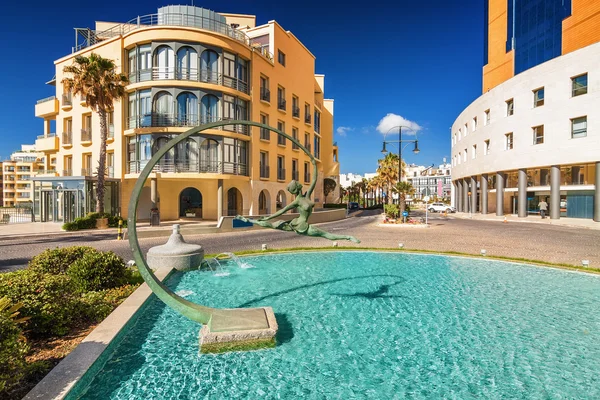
538, 134
281, 98
538, 97
459, 133
579, 85
317, 148
579, 127
466, 130
475, 123
280, 168
295, 169
474, 152
264, 164
307, 141
510, 107
465, 156
317, 121
295, 136
487, 117
265, 134
508, 141
265, 94
307, 117
281, 57
295, 107
280, 138
306, 172
459, 157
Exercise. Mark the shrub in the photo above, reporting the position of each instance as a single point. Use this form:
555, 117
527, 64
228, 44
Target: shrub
57, 261
392, 210
12, 346
50, 301
98, 305
89, 222
98, 271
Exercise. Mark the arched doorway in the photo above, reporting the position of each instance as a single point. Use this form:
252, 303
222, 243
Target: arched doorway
234, 202
264, 203
190, 202
280, 201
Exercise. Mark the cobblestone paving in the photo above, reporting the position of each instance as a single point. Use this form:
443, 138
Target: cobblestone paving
556, 244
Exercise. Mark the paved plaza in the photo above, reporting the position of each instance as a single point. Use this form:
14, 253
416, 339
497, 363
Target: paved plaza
533, 239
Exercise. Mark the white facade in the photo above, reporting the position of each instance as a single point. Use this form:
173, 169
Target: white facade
512, 138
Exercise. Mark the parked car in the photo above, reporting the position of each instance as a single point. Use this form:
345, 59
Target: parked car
441, 207
353, 205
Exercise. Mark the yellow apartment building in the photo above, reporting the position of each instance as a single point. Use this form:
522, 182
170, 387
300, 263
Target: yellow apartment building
188, 66
16, 179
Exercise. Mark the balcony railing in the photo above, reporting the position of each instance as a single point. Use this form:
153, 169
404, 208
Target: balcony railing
294, 145
281, 104
51, 98
265, 94
67, 138
265, 134
67, 172
46, 172
264, 171
281, 174
67, 100
190, 166
295, 175
181, 120
86, 135
86, 171
307, 145
281, 140
296, 112
307, 177
110, 172
307, 118
111, 131
51, 134
188, 74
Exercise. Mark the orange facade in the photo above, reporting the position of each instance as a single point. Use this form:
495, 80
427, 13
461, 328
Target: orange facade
500, 63
582, 28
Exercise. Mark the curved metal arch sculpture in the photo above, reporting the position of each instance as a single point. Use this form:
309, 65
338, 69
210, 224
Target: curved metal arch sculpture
193, 311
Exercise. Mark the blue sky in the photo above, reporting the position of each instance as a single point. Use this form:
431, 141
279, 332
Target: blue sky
421, 60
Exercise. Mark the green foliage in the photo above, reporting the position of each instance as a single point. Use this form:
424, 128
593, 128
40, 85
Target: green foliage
328, 186
374, 207
98, 271
57, 261
89, 222
50, 301
392, 210
12, 346
98, 305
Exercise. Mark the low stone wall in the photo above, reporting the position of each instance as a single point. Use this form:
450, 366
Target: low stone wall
227, 224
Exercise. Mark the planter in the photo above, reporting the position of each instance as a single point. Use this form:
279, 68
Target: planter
190, 215
102, 223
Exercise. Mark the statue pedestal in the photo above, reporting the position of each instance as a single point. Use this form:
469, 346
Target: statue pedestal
239, 329
176, 253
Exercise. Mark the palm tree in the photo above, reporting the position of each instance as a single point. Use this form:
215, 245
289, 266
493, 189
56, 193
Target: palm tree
403, 189
388, 173
96, 78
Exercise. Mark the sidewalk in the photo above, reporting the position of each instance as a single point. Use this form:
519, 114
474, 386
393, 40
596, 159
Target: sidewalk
532, 219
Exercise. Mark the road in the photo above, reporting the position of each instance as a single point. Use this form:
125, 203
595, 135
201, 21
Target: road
550, 243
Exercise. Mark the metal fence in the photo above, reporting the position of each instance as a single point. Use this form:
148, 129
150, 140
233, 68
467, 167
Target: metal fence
15, 215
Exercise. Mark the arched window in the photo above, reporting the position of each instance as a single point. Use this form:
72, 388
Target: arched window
187, 156
209, 109
263, 202
209, 64
164, 63
166, 163
163, 114
280, 200
187, 64
187, 109
210, 156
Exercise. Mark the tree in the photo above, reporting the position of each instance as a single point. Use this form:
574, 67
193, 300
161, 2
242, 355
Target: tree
403, 189
388, 173
328, 187
96, 78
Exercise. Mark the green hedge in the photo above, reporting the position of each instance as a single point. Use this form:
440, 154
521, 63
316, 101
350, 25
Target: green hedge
13, 348
89, 222
335, 205
57, 261
98, 271
97, 305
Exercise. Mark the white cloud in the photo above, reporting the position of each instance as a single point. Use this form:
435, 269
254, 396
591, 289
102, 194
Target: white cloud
343, 130
392, 120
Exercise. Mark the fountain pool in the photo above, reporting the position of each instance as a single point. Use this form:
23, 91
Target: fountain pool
369, 325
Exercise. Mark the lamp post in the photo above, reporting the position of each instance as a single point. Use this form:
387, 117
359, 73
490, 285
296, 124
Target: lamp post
400, 141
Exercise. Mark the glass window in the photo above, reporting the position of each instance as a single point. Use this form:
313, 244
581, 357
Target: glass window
487, 117
579, 127
579, 85
538, 97
510, 107
187, 63
508, 141
209, 66
538, 134
281, 57
475, 123
474, 152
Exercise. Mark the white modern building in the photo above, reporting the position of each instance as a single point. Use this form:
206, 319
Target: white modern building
430, 181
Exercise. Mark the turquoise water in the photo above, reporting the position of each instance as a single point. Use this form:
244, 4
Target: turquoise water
373, 325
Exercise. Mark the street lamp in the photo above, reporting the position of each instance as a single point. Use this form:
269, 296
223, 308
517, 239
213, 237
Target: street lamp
400, 141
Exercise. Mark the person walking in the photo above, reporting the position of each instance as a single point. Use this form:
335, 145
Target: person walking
543, 206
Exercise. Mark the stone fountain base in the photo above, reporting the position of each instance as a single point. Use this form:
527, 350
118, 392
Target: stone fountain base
239, 329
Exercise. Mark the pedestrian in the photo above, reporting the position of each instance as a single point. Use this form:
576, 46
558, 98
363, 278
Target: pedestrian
543, 206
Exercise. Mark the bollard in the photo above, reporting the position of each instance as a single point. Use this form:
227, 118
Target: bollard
120, 230
505, 220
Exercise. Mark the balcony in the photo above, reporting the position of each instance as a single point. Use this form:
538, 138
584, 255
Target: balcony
188, 74
67, 138
295, 175
281, 174
86, 136
110, 172
87, 171
182, 120
307, 177
67, 102
281, 140
318, 104
281, 104
264, 171
47, 107
83, 100
296, 112
265, 94
48, 172
308, 119
265, 134
67, 172
190, 166
47, 142
111, 132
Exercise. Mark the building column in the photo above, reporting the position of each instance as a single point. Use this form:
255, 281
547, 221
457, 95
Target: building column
555, 192
154, 192
453, 194
219, 199
522, 193
465, 195
499, 194
473, 194
459, 192
483, 185
597, 194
